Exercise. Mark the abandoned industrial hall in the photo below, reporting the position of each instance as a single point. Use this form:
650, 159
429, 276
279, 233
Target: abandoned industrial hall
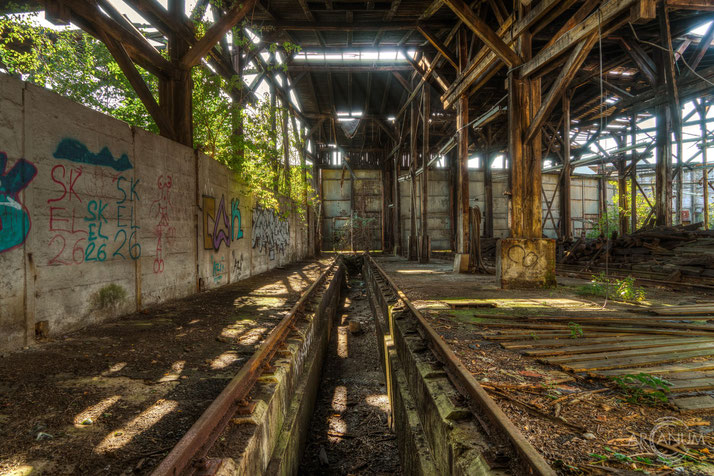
356, 237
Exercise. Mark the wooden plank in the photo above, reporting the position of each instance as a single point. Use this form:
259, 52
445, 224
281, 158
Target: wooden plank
662, 370
439, 45
616, 346
633, 330
662, 349
553, 335
484, 32
662, 358
566, 340
693, 404
606, 13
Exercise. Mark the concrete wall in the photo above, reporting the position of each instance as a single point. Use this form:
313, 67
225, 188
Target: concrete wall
89, 204
584, 204
337, 197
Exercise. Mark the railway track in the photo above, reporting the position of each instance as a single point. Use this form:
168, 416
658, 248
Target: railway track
530, 461
188, 457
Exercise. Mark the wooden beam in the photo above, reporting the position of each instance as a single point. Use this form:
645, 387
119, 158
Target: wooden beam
485, 60
344, 26
611, 10
425, 248
439, 45
137, 82
215, 32
691, 4
642, 60
560, 84
702, 48
484, 32
358, 68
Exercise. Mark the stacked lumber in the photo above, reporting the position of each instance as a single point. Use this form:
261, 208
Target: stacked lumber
674, 252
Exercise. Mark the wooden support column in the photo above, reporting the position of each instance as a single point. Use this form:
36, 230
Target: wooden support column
633, 174
702, 110
525, 259
425, 243
566, 227
622, 204
175, 95
488, 191
414, 117
461, 260
396, 202
663, 169
286, 148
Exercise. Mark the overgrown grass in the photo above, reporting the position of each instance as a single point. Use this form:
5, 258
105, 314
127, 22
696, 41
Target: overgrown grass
613, 288
110, 296
643, 388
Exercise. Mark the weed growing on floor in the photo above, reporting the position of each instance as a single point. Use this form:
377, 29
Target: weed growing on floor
109, 296
643, 388
576, 330
534, 336
620, 289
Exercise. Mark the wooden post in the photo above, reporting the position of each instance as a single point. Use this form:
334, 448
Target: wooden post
461, 262
425, 248
702, 110
488, 157
663, 179
181, 88
286, 148
414, 117
396, 209
566, 227
633, 174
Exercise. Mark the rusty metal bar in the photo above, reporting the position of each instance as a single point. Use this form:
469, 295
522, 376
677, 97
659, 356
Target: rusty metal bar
202, 435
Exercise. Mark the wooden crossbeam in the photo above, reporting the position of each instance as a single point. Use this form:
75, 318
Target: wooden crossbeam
344, 27
691, 4
439, 45
484, 32
215, 32
611, 10
485, 61
566, 75
702, 48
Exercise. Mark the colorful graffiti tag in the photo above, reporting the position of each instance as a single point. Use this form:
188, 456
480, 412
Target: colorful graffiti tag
94, 228
14, 216
271, 232
164, 232
218, 226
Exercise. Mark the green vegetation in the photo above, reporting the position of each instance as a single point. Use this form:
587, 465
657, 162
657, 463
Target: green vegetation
643, 388
576, 331
357, 233
110, 296
75, 65
613, 288
607, 225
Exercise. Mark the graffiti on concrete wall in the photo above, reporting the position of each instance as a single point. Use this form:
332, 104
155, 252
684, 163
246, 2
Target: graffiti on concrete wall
14, 216
218, 268
86, 225
271, 232
237, 263
74, 150
218, 226
164, 232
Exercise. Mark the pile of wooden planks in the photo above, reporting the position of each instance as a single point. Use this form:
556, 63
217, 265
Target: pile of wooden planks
678, 348
673, 252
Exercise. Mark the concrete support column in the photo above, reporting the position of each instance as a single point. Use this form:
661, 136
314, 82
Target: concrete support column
525, 259
424, 242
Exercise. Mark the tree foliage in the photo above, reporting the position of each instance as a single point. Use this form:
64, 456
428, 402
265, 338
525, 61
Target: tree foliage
77, 66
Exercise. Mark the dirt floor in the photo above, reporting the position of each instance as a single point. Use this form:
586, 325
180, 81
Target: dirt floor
581, 425
349, 429
115, 398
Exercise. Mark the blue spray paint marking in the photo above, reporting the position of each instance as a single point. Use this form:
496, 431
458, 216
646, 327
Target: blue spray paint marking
236, 232
72, 149
14, 216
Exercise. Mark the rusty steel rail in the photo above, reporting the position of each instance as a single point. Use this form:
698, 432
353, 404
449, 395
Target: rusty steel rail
470, 387
188, 454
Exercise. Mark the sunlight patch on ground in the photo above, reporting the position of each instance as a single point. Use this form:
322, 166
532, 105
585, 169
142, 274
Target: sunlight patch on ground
253, 336
419, 271
380, 401
339, 399
175, 373
224, 360
90, 415
342, 342
338, 427
115, 368
121, 437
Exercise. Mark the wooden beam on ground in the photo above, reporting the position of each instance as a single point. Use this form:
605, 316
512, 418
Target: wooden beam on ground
492, 40
215, 32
